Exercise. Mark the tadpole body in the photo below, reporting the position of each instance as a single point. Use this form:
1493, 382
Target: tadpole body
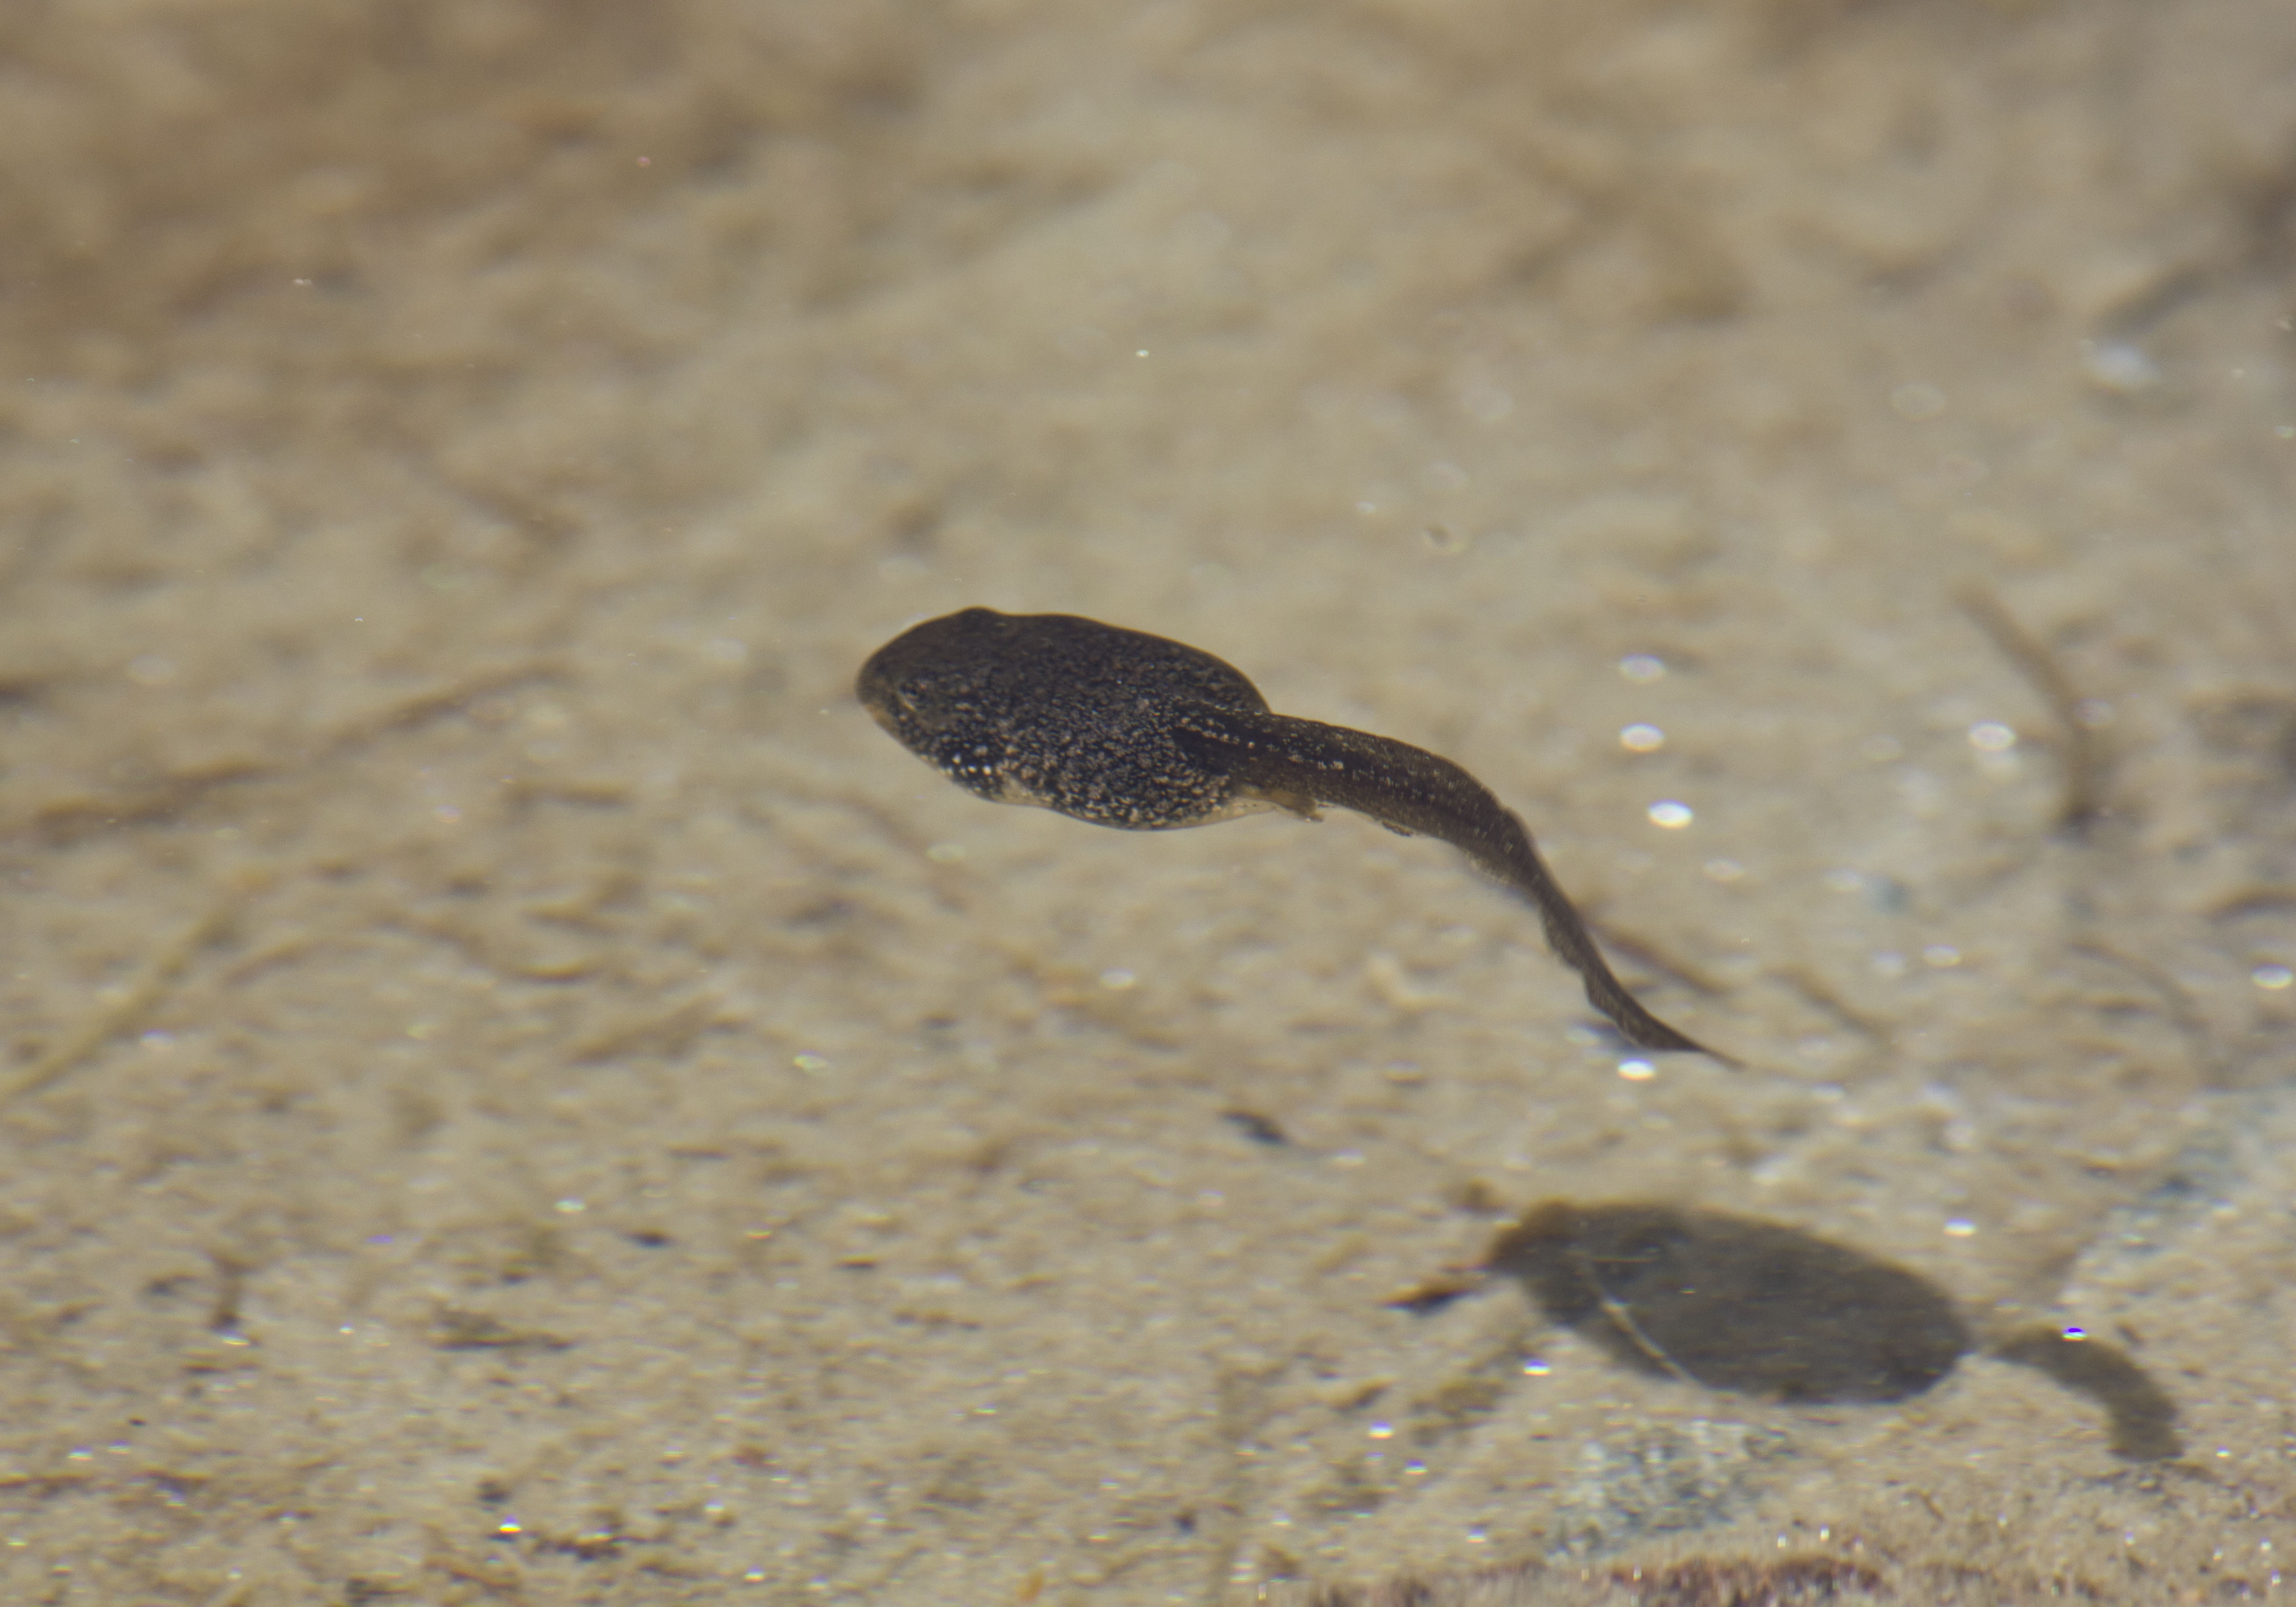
1124, 729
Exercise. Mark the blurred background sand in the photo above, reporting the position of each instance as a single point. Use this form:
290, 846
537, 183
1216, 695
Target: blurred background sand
519, 1093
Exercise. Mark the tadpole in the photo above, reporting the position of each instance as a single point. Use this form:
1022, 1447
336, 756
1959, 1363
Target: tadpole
1124, 729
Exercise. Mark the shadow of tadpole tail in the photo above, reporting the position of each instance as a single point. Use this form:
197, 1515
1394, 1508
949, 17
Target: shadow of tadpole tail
2140, 1416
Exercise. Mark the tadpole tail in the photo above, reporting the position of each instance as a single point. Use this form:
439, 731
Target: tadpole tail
1574, 946
1409, 790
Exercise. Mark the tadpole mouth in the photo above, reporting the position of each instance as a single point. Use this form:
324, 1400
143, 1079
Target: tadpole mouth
880, 711
879, 685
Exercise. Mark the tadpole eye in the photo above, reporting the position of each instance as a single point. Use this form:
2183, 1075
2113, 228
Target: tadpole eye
922, 704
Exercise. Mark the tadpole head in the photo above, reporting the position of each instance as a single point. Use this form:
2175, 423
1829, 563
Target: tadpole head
922, 681
942, 690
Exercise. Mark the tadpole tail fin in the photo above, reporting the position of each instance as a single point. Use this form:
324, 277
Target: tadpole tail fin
1574, 946
1298, 764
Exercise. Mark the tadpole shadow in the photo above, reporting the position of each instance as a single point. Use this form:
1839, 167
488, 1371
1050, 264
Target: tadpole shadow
1759, 1308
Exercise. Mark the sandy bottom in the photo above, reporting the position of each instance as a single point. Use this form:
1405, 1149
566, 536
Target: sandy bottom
517, 1092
